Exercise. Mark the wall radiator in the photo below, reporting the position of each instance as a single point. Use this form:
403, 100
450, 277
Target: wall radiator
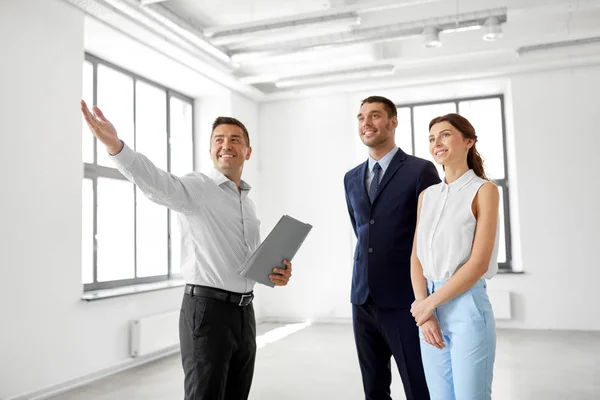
500, 304
154, 333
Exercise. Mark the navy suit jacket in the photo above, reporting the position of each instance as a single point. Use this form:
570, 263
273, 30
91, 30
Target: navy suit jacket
385, 230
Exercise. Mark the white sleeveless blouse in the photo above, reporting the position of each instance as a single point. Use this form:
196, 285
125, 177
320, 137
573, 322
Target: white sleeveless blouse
447, 227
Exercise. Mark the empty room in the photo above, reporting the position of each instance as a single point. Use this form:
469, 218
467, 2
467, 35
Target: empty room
308, 199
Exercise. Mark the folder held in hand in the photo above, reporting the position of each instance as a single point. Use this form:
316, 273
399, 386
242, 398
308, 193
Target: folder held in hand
282, 244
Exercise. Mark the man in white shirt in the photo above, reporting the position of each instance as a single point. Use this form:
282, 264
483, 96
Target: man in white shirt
219, 230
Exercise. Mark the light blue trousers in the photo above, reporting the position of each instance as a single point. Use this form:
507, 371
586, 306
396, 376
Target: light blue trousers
463, 370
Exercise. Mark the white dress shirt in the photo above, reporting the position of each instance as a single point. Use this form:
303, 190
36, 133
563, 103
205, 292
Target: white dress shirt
384, 163
447, 227
219, 227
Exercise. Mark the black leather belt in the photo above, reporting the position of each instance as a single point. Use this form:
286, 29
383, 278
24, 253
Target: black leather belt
240, 299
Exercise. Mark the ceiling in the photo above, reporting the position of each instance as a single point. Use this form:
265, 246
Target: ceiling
273, 48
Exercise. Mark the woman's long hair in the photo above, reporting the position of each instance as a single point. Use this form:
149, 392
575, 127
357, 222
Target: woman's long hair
474, 160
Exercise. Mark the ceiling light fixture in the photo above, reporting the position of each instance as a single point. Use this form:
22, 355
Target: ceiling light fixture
492, 29
465, 28
593, 41
432, 37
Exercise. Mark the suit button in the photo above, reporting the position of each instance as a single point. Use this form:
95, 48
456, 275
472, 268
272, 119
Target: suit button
372, 221
370, 250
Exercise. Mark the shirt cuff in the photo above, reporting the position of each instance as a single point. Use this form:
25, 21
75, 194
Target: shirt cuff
125, 157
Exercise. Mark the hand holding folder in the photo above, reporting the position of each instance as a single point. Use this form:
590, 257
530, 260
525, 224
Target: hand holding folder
282, 244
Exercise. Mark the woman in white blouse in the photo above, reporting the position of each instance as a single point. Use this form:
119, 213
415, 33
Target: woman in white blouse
455, 250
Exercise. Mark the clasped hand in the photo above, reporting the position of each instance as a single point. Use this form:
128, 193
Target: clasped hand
421, 310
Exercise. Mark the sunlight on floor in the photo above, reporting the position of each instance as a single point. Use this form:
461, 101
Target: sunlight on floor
279, 333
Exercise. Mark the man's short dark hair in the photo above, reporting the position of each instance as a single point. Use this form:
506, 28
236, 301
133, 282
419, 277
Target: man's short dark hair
389, 105
231, 121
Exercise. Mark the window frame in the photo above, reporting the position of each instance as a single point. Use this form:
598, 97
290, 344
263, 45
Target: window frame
506, 266
93, 171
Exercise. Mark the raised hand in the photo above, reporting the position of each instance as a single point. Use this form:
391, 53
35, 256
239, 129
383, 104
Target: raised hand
104, 131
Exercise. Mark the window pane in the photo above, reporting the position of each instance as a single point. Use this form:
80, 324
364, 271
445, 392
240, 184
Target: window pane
502, 232
87, 232
182, 152
423, 115
404, 130
175, 243
486, 116
115, 99
152, 244
115, 236
88, 96
151, 123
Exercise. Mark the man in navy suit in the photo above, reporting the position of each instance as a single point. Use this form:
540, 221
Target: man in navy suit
382, 195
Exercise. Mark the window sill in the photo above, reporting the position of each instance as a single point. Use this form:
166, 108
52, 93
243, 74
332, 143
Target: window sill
133, 289
510, 272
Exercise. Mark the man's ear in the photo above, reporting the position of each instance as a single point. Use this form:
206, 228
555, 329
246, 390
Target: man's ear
249, 153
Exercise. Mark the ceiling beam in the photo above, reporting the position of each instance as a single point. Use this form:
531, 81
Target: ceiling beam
452, 23
309, 18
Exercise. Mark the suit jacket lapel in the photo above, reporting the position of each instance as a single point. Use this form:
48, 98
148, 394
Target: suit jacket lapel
394, 166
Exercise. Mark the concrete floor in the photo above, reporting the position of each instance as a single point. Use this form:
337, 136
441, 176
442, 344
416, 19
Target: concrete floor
319, 362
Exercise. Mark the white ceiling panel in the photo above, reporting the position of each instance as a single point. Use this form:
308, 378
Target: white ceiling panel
258, 43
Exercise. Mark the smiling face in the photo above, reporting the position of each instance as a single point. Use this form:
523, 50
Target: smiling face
375, 127
229, 150
447, 144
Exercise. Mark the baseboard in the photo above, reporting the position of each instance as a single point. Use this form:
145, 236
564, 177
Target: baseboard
86, 379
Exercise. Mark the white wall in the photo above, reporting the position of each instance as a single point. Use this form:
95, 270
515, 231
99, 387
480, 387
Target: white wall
48, 334
556, 138
307, 146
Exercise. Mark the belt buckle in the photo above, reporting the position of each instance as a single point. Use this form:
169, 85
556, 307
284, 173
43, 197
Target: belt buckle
241, 303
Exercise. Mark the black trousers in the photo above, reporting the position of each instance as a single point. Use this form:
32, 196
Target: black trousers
218, 348
380, 333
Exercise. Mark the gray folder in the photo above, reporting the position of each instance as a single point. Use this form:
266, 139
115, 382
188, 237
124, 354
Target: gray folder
282, 244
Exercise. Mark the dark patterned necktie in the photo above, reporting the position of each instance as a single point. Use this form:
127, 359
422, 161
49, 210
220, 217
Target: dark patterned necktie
375, 182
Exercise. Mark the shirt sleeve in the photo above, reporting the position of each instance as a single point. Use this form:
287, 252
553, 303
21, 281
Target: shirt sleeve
181, 194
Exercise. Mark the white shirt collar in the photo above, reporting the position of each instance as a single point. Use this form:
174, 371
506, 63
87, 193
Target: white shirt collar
385, 161
220, 179
460, 182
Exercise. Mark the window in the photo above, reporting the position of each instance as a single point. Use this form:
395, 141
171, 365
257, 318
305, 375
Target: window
487, 116
127, 239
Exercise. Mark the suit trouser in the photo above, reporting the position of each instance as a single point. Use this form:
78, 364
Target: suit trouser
380, 333
463, 370
218, 348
